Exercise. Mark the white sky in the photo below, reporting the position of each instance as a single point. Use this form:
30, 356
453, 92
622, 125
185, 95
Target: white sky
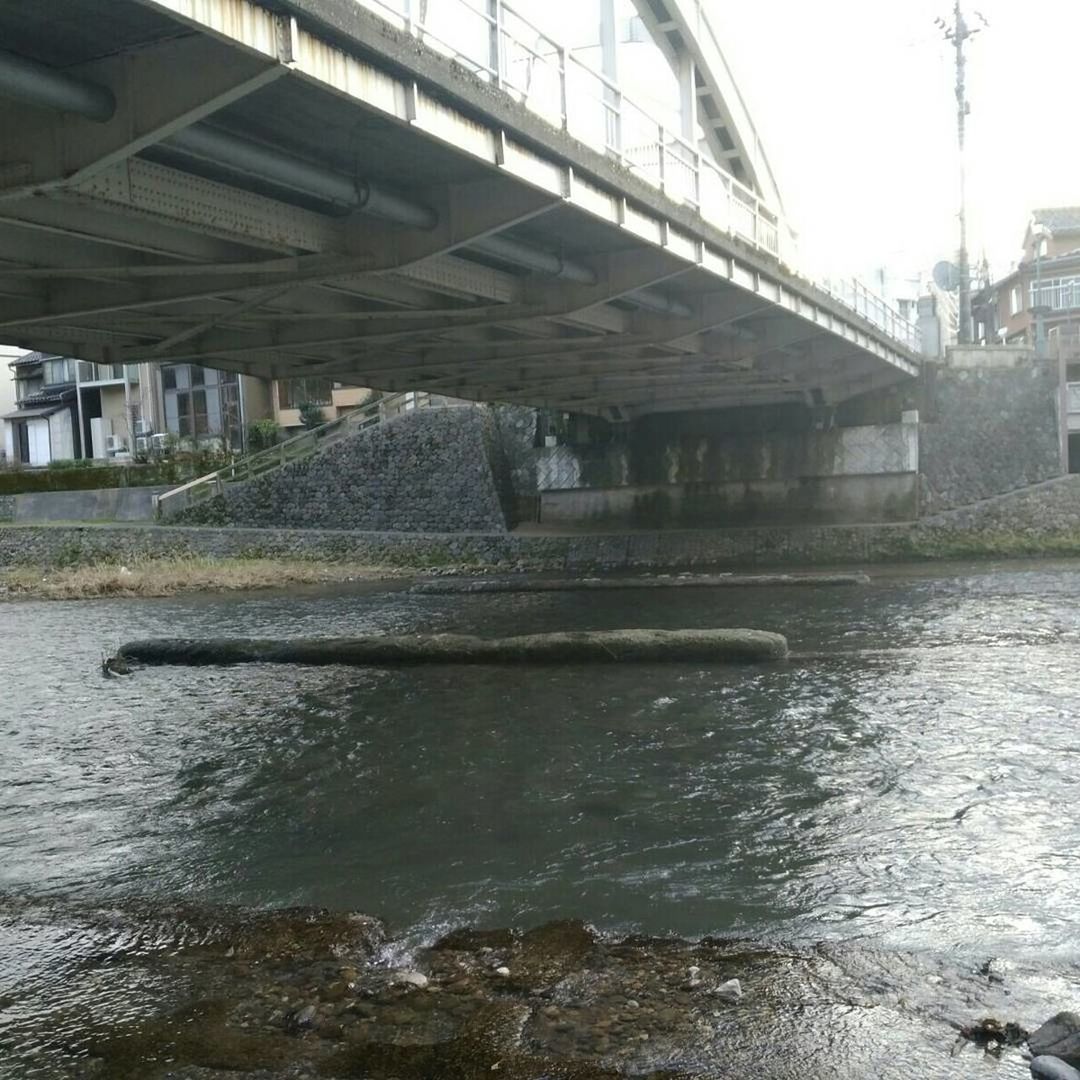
854, 102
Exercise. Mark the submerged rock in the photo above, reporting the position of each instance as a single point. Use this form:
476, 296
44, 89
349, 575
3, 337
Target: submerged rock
1058, 1037
410, 978
729, 991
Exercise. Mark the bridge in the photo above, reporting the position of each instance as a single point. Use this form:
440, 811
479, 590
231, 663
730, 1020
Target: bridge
437, 195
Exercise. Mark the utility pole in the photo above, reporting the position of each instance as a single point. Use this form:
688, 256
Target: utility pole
959, 33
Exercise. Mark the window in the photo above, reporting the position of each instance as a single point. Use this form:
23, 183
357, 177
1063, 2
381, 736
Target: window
25, 388
59, 371
292, 393
1015, 301
202, 403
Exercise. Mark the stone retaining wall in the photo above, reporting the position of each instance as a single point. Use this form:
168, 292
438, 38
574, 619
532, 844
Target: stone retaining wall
1038, 520
989, 424
429, 470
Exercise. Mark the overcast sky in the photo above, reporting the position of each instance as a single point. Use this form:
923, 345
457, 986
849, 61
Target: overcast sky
854, 102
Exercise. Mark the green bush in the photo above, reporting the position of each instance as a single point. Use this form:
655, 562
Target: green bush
71, 463
81, 478
262, 434
311, 415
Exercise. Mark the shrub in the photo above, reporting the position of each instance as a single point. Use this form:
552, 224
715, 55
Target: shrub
311, 415
262, 434
71, 463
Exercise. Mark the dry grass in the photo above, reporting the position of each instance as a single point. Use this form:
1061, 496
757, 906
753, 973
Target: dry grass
169, 576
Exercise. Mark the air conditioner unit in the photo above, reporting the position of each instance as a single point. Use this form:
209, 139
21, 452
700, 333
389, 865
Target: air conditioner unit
142, 444
113, 444
143, 427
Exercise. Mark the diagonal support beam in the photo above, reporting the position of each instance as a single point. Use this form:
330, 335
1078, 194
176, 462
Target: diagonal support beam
473, 211
617, 274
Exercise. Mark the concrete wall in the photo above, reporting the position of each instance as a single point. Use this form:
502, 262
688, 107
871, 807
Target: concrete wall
803, 500
733, 468
114, 417
104, 504
990, 423
257, 403
426, 470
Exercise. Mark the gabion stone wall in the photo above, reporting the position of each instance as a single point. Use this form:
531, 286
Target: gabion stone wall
429, 470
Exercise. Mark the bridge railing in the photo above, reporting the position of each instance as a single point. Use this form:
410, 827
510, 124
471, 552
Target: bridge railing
854, 294
501, 45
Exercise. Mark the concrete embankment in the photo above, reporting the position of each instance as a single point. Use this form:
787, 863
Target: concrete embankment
590, 646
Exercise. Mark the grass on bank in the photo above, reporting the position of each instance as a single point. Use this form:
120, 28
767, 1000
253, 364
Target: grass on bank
169, 576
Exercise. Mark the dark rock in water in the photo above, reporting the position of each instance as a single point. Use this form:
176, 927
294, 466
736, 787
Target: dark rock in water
993, 1035
469, 940
1052, 1068
301, 1019
1059, 1037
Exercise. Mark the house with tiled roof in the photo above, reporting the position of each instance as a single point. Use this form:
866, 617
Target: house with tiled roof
1041, 298
44, 425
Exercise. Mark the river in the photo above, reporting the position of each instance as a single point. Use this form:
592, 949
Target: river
911, 794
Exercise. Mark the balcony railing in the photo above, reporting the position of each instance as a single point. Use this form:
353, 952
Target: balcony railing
495, 41
1057, 295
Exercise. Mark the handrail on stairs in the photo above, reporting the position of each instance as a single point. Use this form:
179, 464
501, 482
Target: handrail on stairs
283, 453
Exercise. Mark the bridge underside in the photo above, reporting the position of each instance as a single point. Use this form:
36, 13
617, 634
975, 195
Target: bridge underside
300, 193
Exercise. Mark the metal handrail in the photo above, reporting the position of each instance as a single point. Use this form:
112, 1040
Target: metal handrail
283, 453
660, 156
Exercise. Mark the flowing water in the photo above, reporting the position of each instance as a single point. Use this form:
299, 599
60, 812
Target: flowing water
911, 794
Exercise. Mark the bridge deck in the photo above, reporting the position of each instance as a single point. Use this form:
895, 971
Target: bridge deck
309, 190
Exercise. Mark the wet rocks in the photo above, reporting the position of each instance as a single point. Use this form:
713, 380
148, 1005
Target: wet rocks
992, 1035
409, 978
302, 1019
1059, 1037
1045, 1067
730, 991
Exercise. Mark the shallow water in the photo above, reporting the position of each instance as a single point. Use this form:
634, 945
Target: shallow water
912, 795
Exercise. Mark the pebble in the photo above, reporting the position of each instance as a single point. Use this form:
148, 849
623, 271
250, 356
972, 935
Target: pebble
729, 991
503, 971
302, 1018
410, 978
1052, 1068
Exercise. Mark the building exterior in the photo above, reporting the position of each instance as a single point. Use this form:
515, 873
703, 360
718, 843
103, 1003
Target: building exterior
67, 408
333, 398
1039, 304
1045, 283
44, 426
7, 392
203, 406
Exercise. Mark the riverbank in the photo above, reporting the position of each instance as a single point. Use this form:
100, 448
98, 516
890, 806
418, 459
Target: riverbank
327, 555
169, 576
